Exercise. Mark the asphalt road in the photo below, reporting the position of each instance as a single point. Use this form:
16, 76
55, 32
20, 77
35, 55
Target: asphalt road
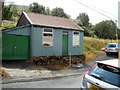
66, 82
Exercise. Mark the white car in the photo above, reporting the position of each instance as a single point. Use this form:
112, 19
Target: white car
112, 48
104, 75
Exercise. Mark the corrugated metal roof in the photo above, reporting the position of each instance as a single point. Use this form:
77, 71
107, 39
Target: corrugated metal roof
51, 21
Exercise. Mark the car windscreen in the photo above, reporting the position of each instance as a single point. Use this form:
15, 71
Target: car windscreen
111, 45
106, 73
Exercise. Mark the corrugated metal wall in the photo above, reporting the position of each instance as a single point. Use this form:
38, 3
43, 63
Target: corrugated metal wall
35, 43
38, 50
23, 30
75, 50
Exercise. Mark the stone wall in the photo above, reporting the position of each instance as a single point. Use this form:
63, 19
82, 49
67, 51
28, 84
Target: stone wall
66, 60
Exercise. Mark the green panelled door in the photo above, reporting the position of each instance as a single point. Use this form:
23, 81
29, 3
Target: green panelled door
65, 44
15, 47
7, 46
21, 49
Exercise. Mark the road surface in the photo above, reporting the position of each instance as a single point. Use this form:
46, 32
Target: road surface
66, 82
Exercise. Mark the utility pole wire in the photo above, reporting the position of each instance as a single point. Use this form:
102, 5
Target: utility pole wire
95, 10
107, 17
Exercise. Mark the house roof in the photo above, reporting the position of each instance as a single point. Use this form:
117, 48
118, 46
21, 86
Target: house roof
51, 21
14, 28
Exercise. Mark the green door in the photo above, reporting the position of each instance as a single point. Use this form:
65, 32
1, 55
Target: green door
21, 47
65, 44
15, 47
7, 46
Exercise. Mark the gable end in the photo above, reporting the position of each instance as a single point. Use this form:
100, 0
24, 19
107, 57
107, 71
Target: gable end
23, 20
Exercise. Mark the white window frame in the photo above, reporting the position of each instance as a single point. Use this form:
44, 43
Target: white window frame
73, 39
49, 33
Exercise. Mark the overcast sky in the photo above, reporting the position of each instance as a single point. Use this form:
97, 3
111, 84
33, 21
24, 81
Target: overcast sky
73, 8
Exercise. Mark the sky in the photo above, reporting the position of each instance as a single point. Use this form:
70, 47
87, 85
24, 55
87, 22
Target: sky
107, 7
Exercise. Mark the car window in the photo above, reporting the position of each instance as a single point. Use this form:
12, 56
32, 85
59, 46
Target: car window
112, 45
107, 74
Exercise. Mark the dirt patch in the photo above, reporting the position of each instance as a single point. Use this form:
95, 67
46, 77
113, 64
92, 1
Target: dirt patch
4, 74
17, 68
18, 64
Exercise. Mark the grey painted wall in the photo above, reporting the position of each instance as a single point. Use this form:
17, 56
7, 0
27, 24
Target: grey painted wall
56, 50
18, 31
57, 42
37, 49
75, 50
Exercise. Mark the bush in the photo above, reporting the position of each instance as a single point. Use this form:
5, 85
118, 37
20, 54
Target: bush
6, 26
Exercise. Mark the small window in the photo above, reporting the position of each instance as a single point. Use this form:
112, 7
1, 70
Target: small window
65, 32
47, 37
76, 39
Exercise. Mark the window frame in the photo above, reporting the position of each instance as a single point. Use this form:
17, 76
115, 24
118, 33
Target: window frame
73, 39
43, 31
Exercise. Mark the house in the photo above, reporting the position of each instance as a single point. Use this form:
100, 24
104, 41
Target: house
38, 35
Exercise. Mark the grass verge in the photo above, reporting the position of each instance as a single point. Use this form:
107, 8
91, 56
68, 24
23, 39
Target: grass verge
93, 46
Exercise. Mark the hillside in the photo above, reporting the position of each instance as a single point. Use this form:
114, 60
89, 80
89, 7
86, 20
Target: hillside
21, 7
93, 46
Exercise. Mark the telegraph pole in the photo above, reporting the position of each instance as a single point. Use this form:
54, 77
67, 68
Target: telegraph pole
117, 40
1, 6
118, 27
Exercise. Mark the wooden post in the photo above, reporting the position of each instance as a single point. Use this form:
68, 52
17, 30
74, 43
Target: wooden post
70, 60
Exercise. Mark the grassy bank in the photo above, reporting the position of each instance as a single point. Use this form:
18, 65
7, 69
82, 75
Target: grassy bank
93, 46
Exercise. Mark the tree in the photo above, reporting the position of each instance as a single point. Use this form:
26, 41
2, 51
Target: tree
82, 19
7, 12
36, 8
10, 12
59, 12
88, 30
48, 11
105, 29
